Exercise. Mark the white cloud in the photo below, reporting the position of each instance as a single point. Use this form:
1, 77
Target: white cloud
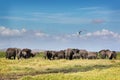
40, 34
11, 32
103, 33
23, 30
97, 35
7, 32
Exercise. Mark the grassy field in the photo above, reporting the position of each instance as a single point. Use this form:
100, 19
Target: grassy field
38, 68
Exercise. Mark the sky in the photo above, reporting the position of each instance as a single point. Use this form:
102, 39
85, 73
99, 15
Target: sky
54, 24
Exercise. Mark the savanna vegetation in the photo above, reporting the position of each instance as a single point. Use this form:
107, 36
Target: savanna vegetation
37, 68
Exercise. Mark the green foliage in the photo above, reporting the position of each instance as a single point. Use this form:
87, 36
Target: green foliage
118, 55
40, 54
2, 54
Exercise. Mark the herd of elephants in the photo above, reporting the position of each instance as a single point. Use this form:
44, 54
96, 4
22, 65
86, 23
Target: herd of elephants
12, 53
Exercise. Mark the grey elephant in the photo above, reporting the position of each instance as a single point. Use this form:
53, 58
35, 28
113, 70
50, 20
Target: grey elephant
111, 54
92, 55
102, 54
69, 54
48, 55
83, 54
12, 53
51, 55
61, 54
56, 54
26, 53
76, 54
108, 54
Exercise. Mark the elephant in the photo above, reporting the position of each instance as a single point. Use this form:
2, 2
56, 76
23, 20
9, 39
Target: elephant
26, 53
54, 54
111, 54
51, 54
48, 55
61, 54
108, 54
69, 54
11, 53
83, 54
102, 53
76, 54
92, 55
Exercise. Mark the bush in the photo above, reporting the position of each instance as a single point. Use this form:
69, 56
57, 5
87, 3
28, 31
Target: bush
118, 55
2, 54
40, 54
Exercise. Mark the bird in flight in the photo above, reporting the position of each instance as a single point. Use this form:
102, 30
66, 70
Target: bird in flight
80, 32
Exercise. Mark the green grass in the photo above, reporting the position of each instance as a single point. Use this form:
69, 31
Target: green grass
80, 70
38, 68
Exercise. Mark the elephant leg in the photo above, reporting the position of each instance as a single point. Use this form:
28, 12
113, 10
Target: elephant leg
14, 57
18, 57
53, 57
82, 57
110, 58
49, 58
9, 57
70, 58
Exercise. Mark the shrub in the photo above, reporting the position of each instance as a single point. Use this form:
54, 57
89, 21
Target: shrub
2, 54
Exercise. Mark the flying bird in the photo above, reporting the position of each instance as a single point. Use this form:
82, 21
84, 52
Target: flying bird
79, 32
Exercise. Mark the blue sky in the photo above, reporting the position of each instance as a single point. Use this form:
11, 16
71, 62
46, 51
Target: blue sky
54, 24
